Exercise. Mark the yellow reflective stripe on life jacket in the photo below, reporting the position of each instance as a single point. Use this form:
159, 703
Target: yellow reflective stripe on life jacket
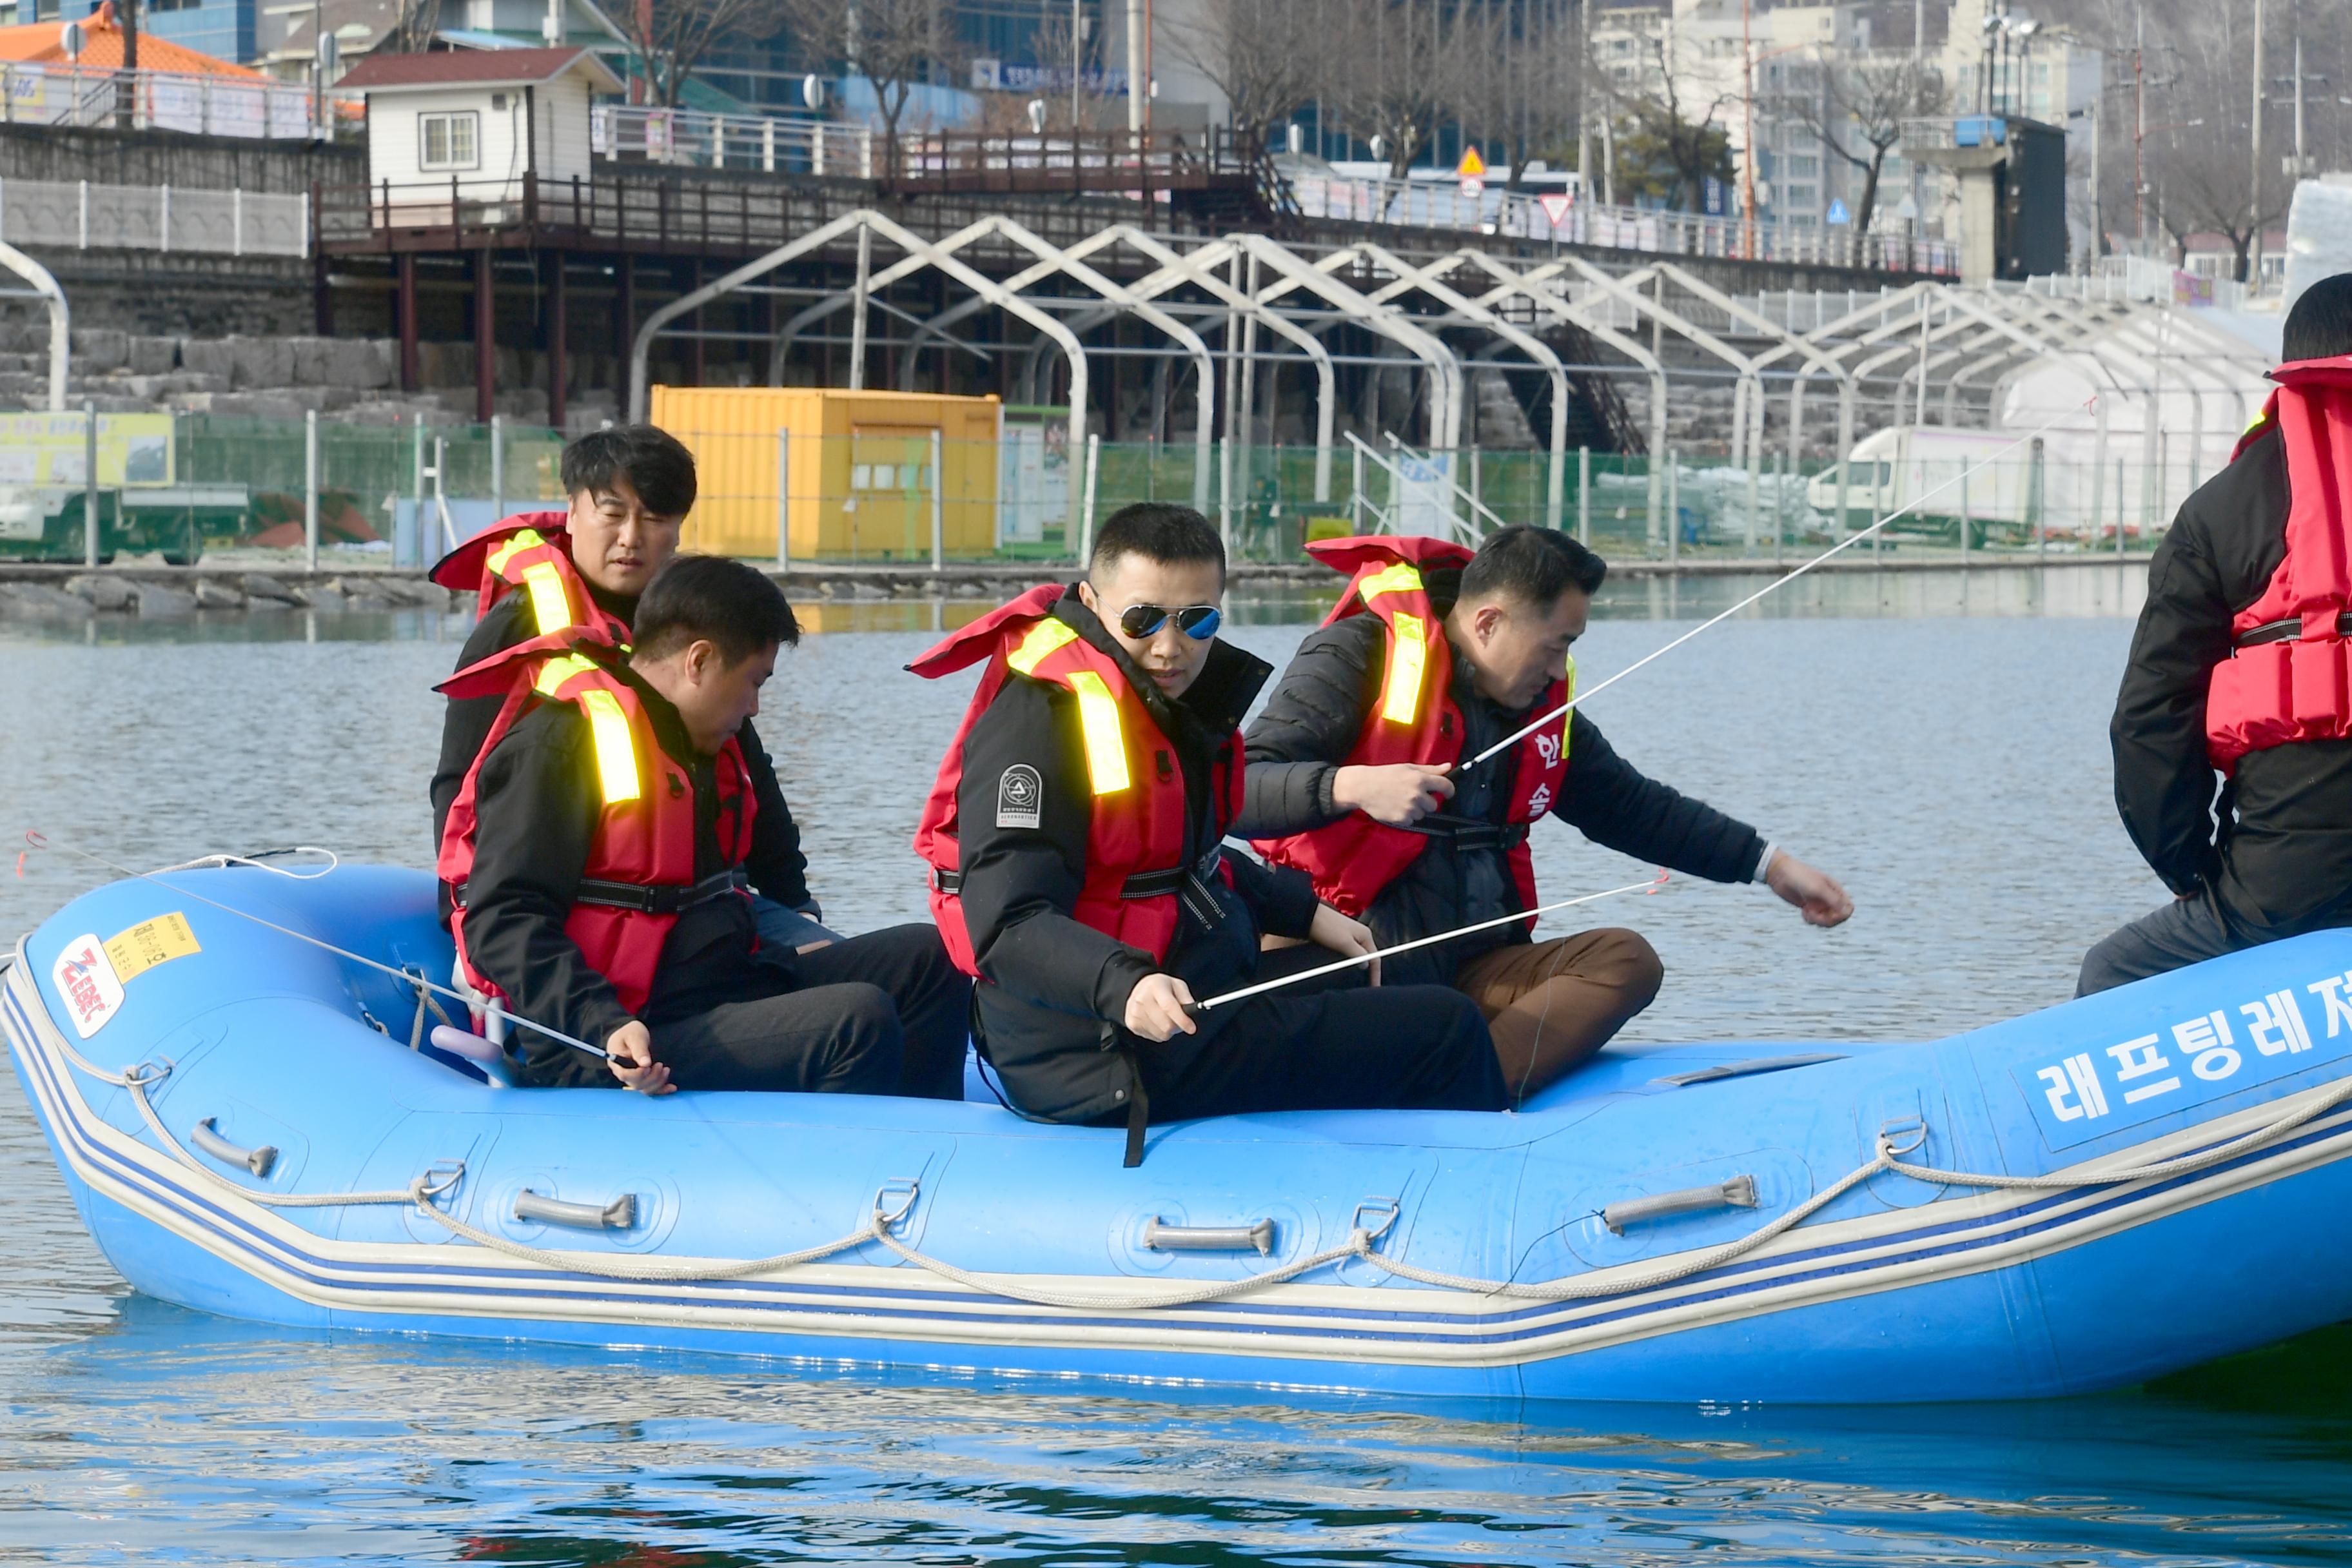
1099, 720
1408, 657
617, 750
1567, 720
550, 606
556, 671
1404, 577
1044, 639
528, 539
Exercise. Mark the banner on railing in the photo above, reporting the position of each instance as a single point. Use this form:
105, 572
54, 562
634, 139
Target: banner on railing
199, 105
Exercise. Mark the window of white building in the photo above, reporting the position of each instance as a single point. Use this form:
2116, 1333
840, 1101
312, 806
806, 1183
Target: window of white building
448, 141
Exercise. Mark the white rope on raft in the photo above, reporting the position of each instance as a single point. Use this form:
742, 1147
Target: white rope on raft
1359, 1244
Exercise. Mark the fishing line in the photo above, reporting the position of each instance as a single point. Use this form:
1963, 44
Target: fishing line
1524, 732
1196, 1008
406, 977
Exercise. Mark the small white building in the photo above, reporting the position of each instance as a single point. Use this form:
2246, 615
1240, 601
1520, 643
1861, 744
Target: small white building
472, 123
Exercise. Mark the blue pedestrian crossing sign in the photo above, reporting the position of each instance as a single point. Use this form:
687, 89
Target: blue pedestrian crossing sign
1837, 213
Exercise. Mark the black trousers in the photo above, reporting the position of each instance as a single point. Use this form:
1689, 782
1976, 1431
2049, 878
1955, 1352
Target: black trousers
2184, 932
879, 1013
1421, 1048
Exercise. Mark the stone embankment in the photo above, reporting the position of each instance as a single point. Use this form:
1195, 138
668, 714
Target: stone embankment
142, 589
29, 592
353, 380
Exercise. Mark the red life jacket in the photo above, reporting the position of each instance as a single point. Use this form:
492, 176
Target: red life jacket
1135, 844
640, 869
2289, 677
532, 551
1416, 720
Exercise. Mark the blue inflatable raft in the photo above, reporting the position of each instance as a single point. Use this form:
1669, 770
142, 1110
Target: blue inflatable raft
2082, 1199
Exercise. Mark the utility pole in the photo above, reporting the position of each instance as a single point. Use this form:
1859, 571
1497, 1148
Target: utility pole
2139, 126
1747, 152
1135, 88
1584, 185
2254, 194
2300, 167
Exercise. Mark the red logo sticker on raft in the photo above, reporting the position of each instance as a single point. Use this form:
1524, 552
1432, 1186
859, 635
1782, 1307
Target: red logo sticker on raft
85, 978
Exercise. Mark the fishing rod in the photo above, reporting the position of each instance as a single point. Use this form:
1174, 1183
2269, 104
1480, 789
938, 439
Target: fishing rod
482, 1049
1196, 1008
1525, 731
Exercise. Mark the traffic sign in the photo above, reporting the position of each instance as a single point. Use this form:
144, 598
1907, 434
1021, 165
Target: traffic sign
1837, 213
1556, 204
1472, 166
1474, 187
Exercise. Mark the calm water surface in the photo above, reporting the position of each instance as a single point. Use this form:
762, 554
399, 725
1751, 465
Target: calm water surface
1939, 745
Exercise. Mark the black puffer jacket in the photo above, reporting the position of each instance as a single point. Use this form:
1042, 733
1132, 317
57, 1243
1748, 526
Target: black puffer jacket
776, 865
539, 808
1311, 724
2273, 851
1055, 988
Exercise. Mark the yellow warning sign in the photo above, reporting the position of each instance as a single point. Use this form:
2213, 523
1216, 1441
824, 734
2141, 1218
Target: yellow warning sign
150, 942
1472, 166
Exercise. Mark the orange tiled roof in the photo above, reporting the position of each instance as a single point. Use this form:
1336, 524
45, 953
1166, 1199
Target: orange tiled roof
41, 43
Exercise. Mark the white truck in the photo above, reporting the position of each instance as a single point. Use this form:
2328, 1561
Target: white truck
2002, 485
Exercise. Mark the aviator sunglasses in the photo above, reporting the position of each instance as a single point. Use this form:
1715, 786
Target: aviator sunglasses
1198, 621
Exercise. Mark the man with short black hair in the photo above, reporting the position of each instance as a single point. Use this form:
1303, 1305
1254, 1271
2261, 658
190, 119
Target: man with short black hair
597, 855
2239, 666
578, 573
1075, 837
1359, 776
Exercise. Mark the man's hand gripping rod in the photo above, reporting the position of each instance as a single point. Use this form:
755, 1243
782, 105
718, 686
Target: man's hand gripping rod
1526, 729
1197, 1008
489, 1004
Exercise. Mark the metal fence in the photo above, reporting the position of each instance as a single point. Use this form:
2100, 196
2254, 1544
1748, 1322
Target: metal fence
1436, 203
157, 101
401, 495
892, 497
80, 215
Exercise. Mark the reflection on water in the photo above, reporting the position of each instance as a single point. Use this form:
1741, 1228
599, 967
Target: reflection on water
1951, 768
167, 1433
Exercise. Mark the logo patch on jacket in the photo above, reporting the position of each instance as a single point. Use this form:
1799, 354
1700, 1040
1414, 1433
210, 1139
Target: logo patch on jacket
1020, 797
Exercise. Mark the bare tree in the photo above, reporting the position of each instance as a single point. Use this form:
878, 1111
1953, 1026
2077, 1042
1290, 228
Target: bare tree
1672, 148
1519, 88
2202, 182
673, 37
1396, 69
419, 20
1264, 56
895, 45
1859, 111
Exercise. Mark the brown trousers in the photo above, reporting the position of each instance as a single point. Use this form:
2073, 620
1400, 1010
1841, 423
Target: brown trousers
1550, 1005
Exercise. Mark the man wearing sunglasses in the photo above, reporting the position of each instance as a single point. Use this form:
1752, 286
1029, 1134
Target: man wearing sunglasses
1074, 839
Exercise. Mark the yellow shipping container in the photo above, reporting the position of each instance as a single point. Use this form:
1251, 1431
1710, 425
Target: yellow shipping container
857, 468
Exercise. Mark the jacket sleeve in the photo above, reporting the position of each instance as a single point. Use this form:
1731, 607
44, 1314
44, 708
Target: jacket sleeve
538, 805
466, 724
1280, 898
1021, 884
1611, 802
1309, 727
779, 871
2164, 782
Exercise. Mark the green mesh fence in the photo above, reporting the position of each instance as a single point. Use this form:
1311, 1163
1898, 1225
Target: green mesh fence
402, 494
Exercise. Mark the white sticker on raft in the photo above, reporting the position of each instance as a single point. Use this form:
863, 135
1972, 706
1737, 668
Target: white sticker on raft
85, 977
